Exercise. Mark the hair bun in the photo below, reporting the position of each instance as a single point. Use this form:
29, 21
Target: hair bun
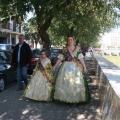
70, 35
43, 50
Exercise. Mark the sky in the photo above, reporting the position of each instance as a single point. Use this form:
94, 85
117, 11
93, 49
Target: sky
106, 38
29, 15
116, 30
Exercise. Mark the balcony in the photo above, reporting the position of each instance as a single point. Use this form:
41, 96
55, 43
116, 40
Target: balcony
7, 26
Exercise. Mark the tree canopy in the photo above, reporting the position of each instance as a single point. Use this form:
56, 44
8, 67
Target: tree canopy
85, 19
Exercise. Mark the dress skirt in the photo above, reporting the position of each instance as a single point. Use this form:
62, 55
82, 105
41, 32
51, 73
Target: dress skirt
71, 86
39, 88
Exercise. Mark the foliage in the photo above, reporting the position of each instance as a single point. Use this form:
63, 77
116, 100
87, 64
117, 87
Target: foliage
87, 23
30, 30
86, 19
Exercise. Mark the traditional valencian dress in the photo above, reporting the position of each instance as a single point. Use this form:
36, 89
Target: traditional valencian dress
40, 86
71, 87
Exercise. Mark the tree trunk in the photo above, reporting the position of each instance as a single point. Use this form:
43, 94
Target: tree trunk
46, 41
42, 30
36, 45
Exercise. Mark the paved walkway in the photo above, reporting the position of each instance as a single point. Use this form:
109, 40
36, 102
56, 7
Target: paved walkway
14, 107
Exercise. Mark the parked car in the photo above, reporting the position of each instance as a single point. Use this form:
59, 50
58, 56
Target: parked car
8, 73
35, 57
8, 47
54, 52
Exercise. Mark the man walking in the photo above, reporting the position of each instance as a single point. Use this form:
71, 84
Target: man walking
21, 59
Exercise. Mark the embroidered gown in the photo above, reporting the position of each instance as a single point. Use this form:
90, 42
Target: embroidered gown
71, 87
40, 86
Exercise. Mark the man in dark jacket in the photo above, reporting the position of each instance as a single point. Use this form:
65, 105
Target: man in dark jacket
21, 59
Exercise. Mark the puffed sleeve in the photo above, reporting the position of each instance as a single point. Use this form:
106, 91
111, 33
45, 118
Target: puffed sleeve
60, 56
79, 53
80, 56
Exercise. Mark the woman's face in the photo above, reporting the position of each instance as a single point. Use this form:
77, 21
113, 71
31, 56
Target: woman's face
70, 41
43, 55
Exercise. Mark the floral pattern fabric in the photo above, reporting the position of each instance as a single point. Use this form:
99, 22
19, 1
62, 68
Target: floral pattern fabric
70, 84
39, 87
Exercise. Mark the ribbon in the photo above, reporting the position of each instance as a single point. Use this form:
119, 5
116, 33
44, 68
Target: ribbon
42, 69
70, 58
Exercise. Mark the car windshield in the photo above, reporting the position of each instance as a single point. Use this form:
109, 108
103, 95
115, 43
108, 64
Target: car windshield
2, 55
36, 53
54, 52
5, 56
6, 47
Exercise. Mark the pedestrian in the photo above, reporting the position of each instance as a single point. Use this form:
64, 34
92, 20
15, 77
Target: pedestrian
83, 50
21, 58
71, 87
40, 87
91, 52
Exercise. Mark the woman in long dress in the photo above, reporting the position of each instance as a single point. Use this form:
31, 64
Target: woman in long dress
71, 87
40, 87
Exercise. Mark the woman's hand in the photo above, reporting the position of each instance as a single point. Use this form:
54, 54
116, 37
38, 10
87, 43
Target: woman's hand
83, 64
53, 69
85, 71
34, 71
57, 63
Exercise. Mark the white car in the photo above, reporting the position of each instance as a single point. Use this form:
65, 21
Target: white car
89, 55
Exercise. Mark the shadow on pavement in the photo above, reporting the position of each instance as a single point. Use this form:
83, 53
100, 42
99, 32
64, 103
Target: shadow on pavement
13, 106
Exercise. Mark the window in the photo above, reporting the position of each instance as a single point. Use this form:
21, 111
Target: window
9, 56
3, 56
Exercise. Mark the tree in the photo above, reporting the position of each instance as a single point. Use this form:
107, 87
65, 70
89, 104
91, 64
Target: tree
87, 17
30, 29
87, 24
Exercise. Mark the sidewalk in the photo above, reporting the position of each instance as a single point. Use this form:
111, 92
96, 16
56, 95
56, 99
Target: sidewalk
14, 107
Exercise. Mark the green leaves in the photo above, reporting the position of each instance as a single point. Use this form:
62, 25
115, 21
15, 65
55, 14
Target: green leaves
88, 17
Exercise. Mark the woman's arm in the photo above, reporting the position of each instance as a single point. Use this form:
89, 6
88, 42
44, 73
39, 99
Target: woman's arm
83, 64
57, 63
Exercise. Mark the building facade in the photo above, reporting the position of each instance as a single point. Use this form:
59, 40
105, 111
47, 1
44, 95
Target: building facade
9, 33
111, 40
115, 40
